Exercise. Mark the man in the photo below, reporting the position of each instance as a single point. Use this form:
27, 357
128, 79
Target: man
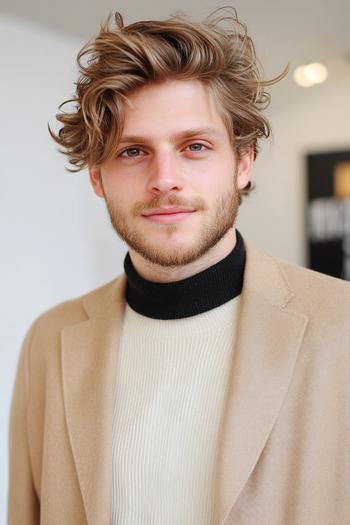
210, 383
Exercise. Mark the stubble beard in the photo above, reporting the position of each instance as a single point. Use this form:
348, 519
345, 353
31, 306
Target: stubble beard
211, 232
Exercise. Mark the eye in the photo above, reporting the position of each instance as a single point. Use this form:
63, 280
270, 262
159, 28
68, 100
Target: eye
197, 147
131, 153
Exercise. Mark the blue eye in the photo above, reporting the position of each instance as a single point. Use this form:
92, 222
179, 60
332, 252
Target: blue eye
131, 153
197, 147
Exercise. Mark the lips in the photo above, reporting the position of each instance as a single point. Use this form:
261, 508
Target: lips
169, 215
168, 211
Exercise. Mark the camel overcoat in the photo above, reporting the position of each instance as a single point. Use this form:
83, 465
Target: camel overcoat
283, 456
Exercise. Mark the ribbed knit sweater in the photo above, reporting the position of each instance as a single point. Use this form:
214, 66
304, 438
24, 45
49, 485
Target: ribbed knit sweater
172, 377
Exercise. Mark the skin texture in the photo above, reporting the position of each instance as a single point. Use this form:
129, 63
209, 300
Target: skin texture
175, 151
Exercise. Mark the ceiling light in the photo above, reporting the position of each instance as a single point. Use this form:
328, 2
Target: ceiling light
310, 75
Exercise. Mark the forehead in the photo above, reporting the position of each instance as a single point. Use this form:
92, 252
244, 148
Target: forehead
169, 108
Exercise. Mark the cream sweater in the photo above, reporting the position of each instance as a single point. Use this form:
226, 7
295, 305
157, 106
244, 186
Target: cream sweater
171, 381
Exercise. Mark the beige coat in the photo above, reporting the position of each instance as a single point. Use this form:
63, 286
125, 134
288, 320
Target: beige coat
284, 454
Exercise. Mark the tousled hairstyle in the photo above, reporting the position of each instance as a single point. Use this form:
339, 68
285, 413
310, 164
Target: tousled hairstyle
121, 59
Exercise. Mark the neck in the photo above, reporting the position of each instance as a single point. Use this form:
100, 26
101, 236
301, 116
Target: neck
160, 274
191, 296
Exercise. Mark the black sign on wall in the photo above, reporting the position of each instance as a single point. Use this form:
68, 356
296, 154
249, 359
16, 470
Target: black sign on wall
328, 213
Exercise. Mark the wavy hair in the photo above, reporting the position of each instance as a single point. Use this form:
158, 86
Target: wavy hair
217, 51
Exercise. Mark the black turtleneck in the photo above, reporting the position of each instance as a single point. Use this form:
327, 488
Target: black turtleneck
191, 296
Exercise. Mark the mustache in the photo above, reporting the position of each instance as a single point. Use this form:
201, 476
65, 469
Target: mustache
172, 200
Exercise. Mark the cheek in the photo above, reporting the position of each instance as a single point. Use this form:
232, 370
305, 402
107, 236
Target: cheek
118, 186
213, 178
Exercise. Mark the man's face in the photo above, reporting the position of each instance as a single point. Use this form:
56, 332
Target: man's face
172, 187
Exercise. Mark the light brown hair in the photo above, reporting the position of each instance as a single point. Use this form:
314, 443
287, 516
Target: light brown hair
121, 58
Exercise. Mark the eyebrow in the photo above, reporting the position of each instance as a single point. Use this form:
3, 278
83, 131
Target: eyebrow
181, 135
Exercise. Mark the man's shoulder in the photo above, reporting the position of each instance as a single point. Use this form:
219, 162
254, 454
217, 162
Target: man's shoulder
311, 280
317, 293
310, 292
77, 309
300, 275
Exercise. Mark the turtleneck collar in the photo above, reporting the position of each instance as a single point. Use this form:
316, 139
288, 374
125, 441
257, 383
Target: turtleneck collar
194, 295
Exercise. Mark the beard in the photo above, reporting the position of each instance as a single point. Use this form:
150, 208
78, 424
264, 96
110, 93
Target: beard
218, 223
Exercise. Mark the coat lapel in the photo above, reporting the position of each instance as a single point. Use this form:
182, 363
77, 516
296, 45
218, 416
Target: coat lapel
268, 340
88, 363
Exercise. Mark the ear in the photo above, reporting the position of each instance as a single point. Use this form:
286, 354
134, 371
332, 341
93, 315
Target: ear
244, 167
96, 181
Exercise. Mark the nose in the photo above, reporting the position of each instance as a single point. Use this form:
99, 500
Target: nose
164, 174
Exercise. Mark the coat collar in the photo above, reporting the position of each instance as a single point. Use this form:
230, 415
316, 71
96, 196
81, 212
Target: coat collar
269, 336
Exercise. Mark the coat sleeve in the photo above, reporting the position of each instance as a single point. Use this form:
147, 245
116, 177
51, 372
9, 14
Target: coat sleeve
23, 502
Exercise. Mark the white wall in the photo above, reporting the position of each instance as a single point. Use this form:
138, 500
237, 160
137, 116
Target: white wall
56, 241
304, 121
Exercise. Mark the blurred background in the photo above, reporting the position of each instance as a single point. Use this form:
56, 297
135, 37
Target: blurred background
56, 240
